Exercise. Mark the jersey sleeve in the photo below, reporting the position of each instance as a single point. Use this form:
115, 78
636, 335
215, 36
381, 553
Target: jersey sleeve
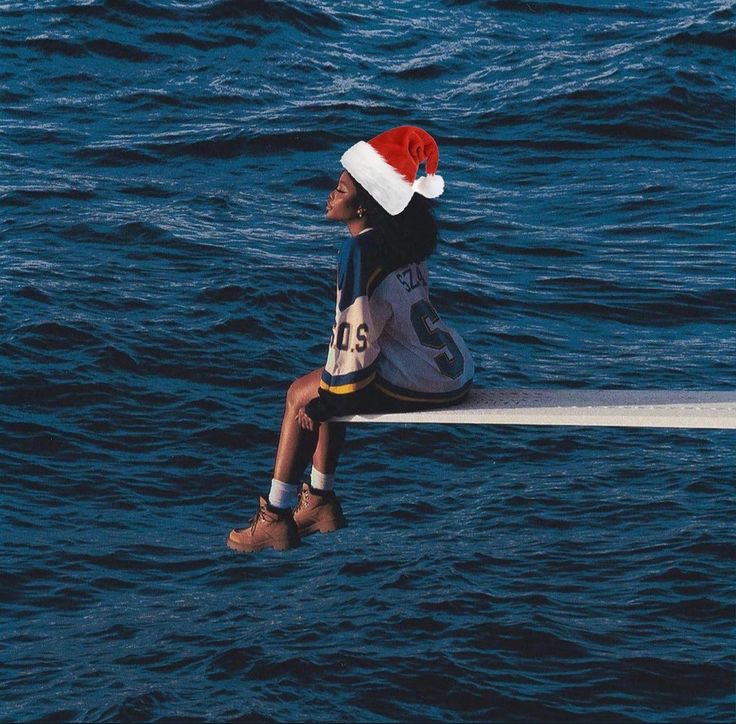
354, 343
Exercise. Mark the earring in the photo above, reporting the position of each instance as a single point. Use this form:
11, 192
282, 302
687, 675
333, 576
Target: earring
361, 213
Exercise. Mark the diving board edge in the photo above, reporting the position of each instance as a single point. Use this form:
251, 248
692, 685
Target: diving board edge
710, 409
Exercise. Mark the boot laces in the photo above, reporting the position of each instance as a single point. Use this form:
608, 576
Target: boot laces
302, 499
255, 519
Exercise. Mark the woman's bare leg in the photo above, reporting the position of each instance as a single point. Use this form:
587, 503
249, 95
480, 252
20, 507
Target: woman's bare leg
297, 445
329, 446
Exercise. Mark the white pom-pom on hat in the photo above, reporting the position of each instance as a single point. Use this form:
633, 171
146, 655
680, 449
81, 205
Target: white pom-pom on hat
386, 166
430, 185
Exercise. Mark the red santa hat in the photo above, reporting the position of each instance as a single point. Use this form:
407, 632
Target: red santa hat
386, 166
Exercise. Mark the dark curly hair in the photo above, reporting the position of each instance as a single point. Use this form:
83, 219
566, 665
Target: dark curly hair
410, 236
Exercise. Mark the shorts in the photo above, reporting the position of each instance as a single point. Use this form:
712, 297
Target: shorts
377, 402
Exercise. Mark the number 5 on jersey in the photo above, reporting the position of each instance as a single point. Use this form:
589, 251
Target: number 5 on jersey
423, 318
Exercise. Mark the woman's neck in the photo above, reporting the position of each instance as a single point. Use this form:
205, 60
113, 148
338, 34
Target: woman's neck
356, 226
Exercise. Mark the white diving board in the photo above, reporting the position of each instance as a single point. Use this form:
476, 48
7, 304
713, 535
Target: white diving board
601, 408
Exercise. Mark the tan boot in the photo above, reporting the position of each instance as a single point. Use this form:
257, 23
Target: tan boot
267, 530
315, 513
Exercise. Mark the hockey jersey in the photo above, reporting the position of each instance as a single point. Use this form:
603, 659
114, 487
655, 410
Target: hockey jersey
388, 336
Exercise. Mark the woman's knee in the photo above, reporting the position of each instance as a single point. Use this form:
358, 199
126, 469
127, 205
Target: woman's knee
303, 389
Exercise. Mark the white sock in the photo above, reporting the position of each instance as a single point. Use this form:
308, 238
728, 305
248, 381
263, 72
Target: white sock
322, 481
282, 495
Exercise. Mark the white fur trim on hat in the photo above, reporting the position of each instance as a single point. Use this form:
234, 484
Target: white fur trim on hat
378, 177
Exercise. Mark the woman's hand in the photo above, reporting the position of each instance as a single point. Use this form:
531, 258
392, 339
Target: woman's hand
305, 421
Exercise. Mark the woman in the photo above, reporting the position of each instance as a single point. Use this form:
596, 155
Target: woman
389, 351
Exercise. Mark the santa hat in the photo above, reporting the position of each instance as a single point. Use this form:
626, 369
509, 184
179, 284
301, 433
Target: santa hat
386, 166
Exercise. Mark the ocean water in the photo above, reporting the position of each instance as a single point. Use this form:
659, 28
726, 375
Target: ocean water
166, 271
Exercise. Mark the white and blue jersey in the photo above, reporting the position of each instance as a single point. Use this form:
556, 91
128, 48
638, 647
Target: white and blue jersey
387, 336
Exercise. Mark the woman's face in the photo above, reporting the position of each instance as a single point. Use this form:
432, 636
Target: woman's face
342, 203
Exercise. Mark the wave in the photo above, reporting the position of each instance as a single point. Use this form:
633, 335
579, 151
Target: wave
136, 707
115, 156
723, 40
178, 39
120, 51
532, 7
81, 48
228, 293
668, 310
149, 191
422, 71
50, 46
310, 20
537, 251
232, 144
25, 197
33, 293
144, 100
116, 11
55, 335
245, 15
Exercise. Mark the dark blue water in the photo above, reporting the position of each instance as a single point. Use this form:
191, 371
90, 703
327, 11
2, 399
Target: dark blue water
165, 271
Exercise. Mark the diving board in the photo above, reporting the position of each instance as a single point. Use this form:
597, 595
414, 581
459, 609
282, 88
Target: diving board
601, 408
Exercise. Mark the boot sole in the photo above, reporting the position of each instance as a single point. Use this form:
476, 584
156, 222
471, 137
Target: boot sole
244, 548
